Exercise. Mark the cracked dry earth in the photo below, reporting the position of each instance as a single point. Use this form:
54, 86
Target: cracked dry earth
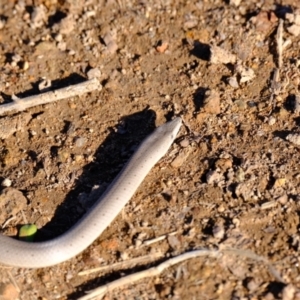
231, 179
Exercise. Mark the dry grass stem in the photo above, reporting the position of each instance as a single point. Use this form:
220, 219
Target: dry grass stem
63, 93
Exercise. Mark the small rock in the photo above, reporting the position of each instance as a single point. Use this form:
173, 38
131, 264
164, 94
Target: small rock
296, 104
236, 222
244, 190
6, 182
294, 29
240, 175
2, 23
279, 182
241, 104
9, 125
44, 85
184, 143
223, 164
235, 2
246, 74
12, 201
162, 46
290, 17
288, 292
264, 21
213, 176
71, 52
232, 81
221, 209
79, 142
58, 37
218, 231
190, 23
211, 103
38, 16
93, 73
62, 46
63, 155
271, 120
67, 25
221, 56
283, 199
293, 18
252, 285
109, 40
294, 138
25, 65
173, 241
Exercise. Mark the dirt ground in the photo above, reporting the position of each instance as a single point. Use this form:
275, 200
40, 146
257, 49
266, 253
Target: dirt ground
230, 181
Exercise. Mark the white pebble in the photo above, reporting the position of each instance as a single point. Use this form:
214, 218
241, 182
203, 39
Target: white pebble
272, 120
294, 138
6, 182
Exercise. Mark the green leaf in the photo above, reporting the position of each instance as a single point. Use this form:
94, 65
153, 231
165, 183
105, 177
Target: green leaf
27, 232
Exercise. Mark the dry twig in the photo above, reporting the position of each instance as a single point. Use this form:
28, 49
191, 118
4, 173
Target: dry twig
275, 84
63, 93
124, 264
99, 292
279, 42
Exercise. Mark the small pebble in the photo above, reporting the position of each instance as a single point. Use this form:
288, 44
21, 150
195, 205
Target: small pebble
93, 73
6, 182
38, 16
235, 2
213, 176
79, 142
44, 85
58, 37
246, 74
283, 199
297, 104
294, 30
232, 81
162, 46
271, 120
71, 52
211, 103
288, 292
279, 182
252, 285
2, 23
294, 138
184, 143
221, 56
25, 65
218, 231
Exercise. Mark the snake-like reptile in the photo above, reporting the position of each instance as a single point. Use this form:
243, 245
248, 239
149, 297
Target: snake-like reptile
43, 254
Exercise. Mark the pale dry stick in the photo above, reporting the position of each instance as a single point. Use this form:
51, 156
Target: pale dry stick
8, 221
158, 239
275, 84
99, 292
275, 88
279, 42
13, 281
63, 93
125, 264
